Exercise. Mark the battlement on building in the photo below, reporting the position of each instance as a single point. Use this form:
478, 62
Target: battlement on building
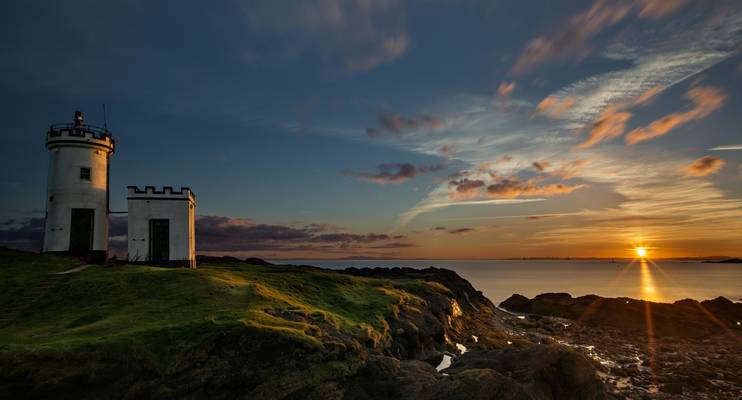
77, 133
167, 193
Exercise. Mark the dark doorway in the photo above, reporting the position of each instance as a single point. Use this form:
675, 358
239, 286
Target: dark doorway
159, 240
81, 230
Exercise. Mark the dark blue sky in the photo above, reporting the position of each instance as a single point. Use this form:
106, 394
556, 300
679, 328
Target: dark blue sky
264, 108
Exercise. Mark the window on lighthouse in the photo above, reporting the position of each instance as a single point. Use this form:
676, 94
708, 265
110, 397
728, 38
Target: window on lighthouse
85, 174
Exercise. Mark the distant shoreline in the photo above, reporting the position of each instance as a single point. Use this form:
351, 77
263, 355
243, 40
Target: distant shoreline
713, 259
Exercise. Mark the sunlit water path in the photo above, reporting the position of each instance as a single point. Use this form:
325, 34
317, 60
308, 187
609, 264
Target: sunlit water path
664, 281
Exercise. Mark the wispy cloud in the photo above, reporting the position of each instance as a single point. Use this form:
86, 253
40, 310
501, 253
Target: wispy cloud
462, 231
705, 99
505, 89
509, 142
395, 173
397, 125
572, 42
727, 147
435, 204
448, 149
553, 107
610, 124
349, 35
660, 8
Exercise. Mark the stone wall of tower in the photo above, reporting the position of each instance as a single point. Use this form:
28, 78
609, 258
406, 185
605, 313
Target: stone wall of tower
77, 179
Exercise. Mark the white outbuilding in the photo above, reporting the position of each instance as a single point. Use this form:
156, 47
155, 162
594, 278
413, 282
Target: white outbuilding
161, 228
77, 189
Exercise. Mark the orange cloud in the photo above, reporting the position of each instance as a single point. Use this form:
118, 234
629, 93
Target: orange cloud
540, 166
647, 96
704, 166
659, 8
505, 89
511, 188
552, 108
571, 169
573, 40
705, 99
610, 124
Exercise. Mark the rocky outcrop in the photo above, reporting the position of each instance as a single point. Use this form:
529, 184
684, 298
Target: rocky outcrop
684, 318
689, 353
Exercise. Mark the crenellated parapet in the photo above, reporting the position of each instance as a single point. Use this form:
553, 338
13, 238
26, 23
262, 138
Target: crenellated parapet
167, 193
79, 134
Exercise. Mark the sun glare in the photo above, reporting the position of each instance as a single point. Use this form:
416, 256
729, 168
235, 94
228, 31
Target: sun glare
641, 252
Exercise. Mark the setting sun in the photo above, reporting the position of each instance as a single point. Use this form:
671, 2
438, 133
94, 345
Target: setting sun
641, 252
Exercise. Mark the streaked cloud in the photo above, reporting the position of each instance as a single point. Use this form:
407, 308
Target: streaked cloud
572, 42
348, 35
432, 204
704, 166
225, 235
727, 147
398, 125
462, 231
448, 149
395, 173
512, 188
505, 89
553, 107
610, 124
648, 96
705, 99
570, 169
660, 8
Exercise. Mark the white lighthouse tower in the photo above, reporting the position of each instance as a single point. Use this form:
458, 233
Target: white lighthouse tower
77, 189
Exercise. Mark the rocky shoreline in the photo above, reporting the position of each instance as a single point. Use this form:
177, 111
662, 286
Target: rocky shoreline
692, 351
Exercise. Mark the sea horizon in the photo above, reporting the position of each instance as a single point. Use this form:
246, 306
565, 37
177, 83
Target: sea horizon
663, 281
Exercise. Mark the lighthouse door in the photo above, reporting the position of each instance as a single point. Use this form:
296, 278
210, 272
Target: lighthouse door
159, 240
81, 230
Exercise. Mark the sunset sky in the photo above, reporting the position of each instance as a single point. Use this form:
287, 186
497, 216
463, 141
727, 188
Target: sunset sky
411, 129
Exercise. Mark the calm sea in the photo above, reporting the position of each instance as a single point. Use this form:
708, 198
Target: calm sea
664, 281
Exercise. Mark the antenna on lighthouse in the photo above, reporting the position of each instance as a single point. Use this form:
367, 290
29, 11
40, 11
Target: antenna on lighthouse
105, 121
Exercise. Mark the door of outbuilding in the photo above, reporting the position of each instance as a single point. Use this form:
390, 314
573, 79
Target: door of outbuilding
159, 240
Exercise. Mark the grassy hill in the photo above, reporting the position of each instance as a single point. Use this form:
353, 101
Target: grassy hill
104, 320
239, 330
142, 305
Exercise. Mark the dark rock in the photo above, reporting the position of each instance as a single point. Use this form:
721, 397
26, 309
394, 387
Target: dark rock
517, 303
477, 384
672, 388
544, 371
685, 318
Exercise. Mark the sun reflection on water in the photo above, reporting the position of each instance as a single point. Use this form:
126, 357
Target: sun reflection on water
647, 287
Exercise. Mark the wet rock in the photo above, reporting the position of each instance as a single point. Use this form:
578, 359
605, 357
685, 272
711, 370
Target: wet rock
685, 318
544, 371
